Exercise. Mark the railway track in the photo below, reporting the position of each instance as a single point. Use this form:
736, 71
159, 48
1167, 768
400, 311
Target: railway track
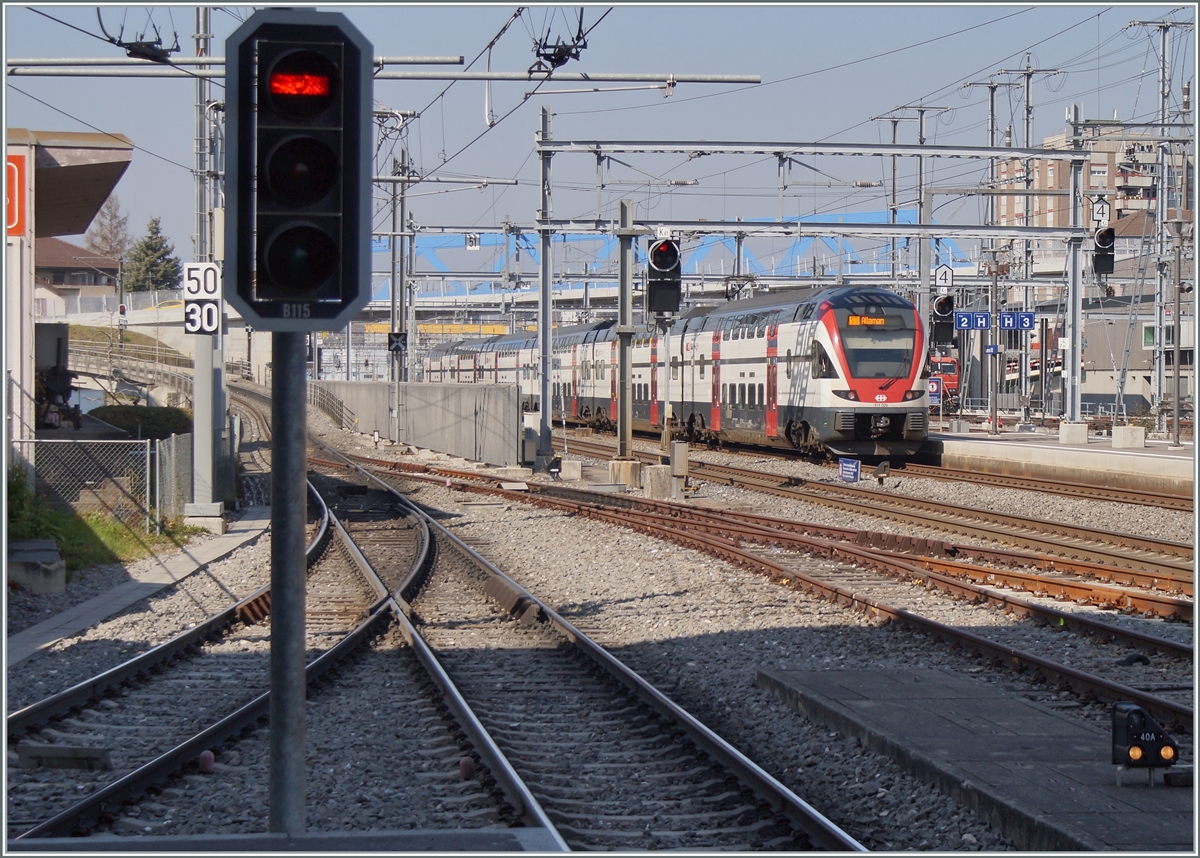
1169, 561
112, 737
1161, 500
707, 533
613, 762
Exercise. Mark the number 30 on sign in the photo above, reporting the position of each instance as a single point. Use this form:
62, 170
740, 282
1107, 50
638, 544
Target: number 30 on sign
201, 298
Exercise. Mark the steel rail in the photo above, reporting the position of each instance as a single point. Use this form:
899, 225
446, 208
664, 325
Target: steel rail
773, 530
765, 534
514, 788
517, 600
136, 782
1163, 500
923, 546
1174, 558
890, 562
729, 549
250, 609
1079, 681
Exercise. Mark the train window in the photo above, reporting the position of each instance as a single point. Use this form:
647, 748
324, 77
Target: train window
674, 369
762, 401
725, 395
762, 331
787, 364
822, 365
750, 401
741, 396
702, 363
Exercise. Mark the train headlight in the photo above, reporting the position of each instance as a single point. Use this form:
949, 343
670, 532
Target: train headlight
910, 395
847, 394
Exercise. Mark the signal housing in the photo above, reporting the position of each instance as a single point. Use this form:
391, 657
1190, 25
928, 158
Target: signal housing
298, 112
664, 276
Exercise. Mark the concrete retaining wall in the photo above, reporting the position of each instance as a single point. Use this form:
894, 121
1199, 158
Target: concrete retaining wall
369, 400
480, 422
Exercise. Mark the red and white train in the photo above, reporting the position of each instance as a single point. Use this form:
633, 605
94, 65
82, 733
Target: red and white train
841, 371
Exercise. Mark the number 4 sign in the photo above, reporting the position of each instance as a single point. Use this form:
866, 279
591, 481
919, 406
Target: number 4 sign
201, 298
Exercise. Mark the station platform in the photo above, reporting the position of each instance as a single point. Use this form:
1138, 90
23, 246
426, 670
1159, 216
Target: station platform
167, 571
1156, 467
1043, 780
477, 841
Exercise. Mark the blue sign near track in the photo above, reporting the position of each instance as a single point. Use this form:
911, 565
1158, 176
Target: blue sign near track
849, 470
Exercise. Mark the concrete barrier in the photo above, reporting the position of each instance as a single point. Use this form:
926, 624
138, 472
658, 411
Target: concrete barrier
625, 471
657, 479
37, 565
1072, 433
1125, 437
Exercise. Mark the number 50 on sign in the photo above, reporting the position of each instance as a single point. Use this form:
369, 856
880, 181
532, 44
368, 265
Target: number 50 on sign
201, 298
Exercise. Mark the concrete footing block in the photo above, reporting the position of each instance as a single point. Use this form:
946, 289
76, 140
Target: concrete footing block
1072, 433
1124, 437
657, 480
625, 471
211, 524
571, 470
37, 565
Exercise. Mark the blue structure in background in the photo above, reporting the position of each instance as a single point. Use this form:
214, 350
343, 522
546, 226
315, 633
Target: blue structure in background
599, 253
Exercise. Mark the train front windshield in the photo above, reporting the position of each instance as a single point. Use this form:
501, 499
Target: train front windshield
878, 338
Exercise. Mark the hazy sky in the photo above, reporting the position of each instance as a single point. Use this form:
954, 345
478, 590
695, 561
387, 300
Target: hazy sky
826, 71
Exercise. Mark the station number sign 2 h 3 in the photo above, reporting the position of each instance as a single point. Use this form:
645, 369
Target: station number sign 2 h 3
201, 298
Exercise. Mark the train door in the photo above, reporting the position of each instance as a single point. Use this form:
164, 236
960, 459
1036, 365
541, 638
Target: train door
654, 381
612, 388
714, 418
573, 408
772, 393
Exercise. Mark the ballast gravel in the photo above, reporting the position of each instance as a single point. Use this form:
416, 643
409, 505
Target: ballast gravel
697, 628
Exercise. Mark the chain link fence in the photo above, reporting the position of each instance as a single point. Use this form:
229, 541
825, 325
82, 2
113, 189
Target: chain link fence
173, 484
107, 477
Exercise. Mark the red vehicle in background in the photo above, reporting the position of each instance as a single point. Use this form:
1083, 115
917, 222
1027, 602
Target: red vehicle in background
947, 368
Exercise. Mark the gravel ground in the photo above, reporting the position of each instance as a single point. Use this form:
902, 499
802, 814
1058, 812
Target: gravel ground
698, 628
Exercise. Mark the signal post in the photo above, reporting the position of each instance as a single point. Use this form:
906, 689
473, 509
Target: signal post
298, 106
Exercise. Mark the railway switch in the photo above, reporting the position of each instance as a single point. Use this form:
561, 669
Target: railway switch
1138, 742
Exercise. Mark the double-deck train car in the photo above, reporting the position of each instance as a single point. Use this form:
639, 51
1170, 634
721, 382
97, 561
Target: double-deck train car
841, 371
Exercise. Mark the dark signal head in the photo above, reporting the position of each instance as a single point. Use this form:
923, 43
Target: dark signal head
664, 255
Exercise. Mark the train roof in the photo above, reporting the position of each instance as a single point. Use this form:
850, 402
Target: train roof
782, 306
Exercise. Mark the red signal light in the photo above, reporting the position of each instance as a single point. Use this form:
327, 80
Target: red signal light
299, 84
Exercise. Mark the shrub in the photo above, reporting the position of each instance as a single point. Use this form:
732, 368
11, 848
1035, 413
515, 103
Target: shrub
146, 421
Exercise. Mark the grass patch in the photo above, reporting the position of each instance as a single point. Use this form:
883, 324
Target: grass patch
104, 336
92, 539
84, 540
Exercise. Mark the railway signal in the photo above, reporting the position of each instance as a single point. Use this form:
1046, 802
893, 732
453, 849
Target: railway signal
664, 277
1102, 250
1138, 741
299, 98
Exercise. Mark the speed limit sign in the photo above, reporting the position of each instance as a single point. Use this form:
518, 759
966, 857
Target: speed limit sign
201, 298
